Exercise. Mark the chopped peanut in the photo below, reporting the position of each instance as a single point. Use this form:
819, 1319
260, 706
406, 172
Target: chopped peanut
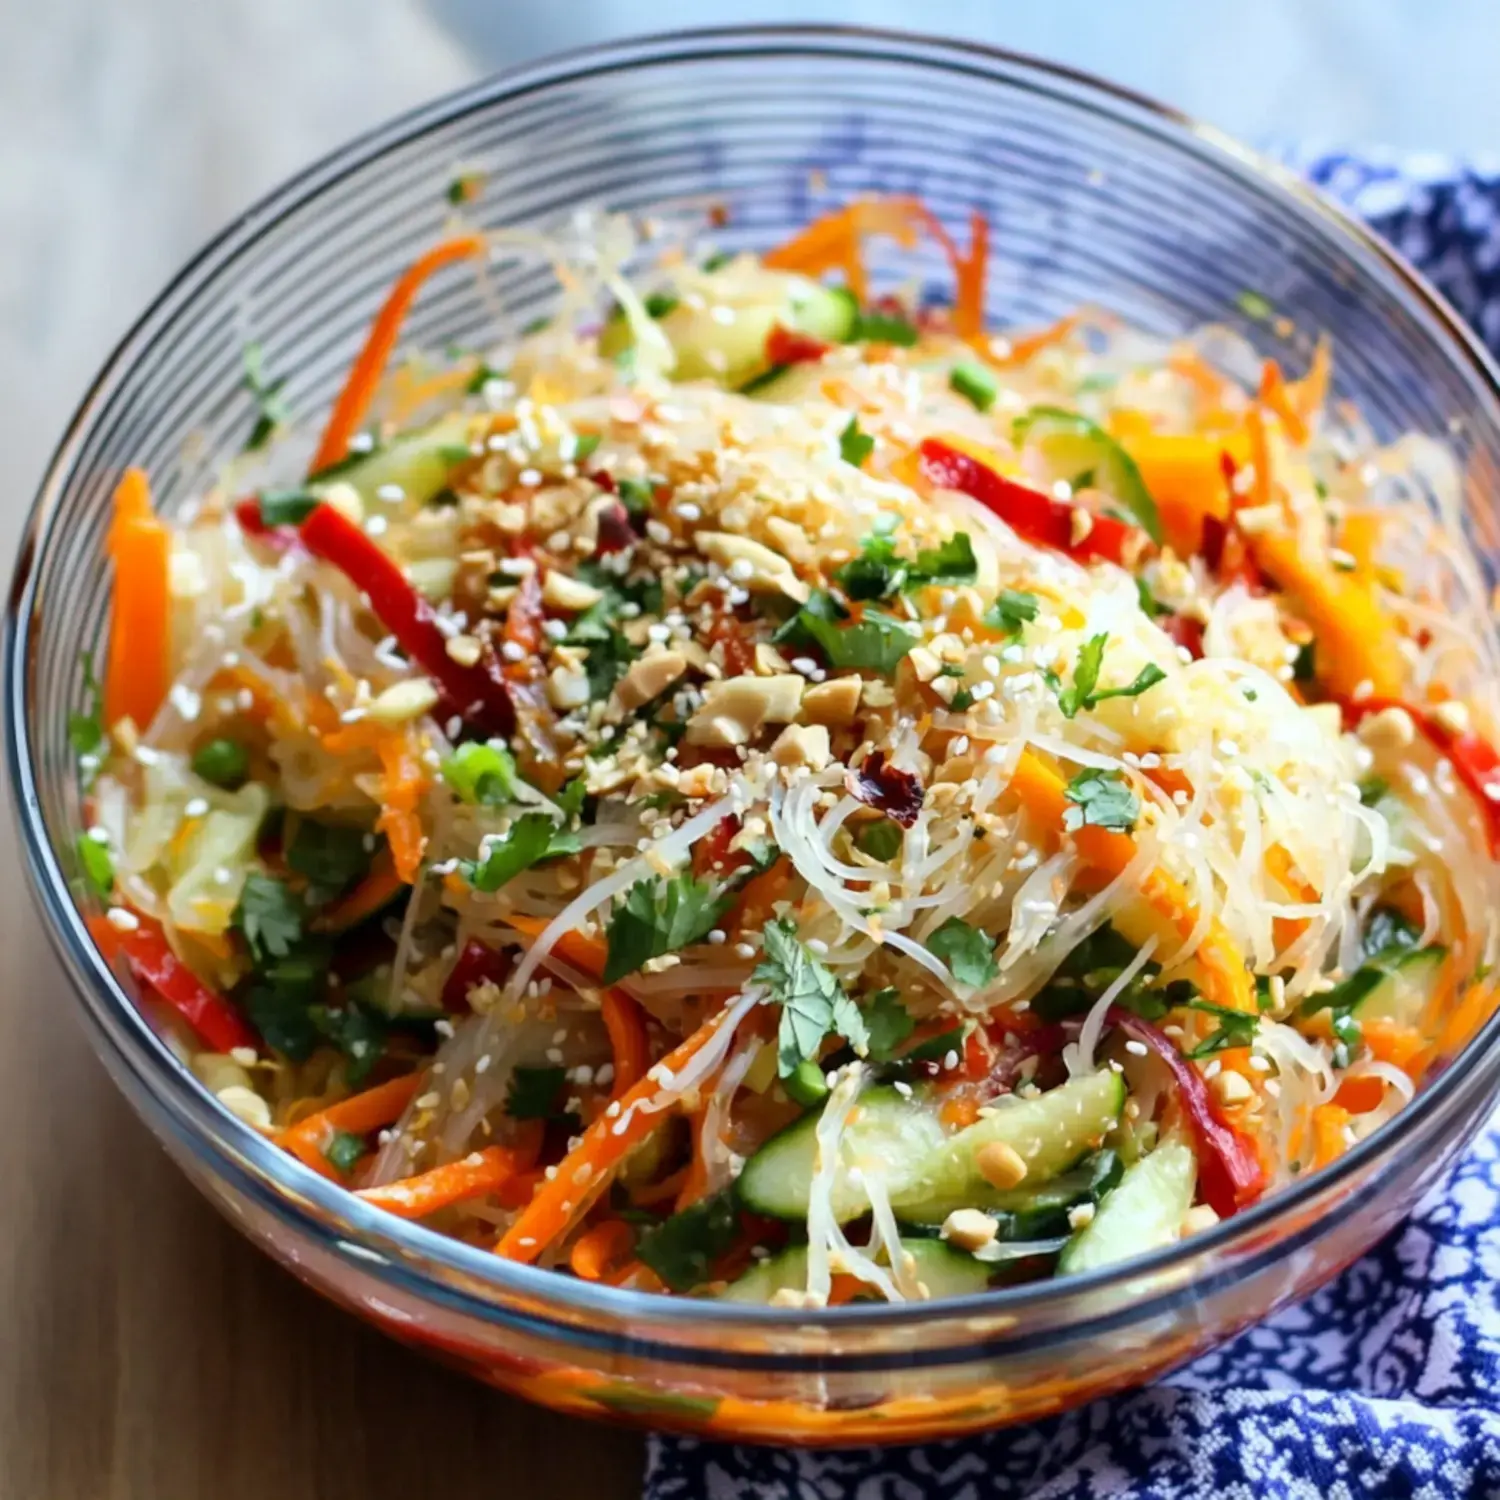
652, 675
802, 745
1000, 1164
833, 703
969, 1228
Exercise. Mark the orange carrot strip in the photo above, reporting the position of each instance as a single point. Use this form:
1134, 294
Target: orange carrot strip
626, 1024
1164, 910
381, 885
1279, 866
1185, 475
583, 951
364, 378
1393, 1042
140, 546
1029, 345
1274, 395
586, 1171
473, 1176
968, 270
1361, 1094
401, 787
1309, 394
1328, 1122
359, 1114
600, 1251
833, 242
753, 907
1260, 457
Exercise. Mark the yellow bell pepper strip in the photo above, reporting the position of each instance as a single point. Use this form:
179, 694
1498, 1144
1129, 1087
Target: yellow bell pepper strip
1185, 475
140, 547
1163, 909
1357, 656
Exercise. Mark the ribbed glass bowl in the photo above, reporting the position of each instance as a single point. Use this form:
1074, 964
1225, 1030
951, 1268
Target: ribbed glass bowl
1094, 196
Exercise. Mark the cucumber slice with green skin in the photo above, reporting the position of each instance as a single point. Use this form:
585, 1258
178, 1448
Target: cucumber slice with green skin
1401, 990
419, 463
1074, 447
1042, 1214
1050, 1133
927, 1172
734, 352
1144, 1213
898, 1132
943, 1269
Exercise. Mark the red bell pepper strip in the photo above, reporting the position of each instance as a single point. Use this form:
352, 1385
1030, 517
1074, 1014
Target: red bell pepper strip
1036, 517
785, 346
1475, 761
477, 964
1229, 1171
477, 693
145, 949
712, 854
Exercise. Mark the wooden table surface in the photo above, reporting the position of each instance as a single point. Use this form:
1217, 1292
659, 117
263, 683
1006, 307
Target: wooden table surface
147, 1352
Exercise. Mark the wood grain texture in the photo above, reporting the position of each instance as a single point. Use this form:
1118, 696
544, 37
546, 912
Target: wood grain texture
148, 1353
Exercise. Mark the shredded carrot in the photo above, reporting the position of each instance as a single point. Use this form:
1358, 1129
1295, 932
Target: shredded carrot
968, 270
474, 1176
1465, 1019
1279, 865
359, 1114
586, 1170
1029, 345
660, 1192
1392, 1042
625, 1022
1361, 1094
140, 547
602, 1250
581, 949
1275, 396
381, 885
1210, 385
1164, 911
1329, 1122
1261, 492
1308, 395
833, 242
758, 896
364, 378
402, 784
1184, 473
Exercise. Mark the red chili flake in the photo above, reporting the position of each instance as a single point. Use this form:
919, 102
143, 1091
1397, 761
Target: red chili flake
476, 965
785, 346
886, 788
1185, 632
615, 531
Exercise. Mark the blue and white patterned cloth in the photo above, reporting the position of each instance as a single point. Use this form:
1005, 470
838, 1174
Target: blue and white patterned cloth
1387, 1382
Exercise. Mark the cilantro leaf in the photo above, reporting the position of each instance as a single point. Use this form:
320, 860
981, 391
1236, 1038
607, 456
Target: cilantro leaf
332, 856
659, 916
280, 1014
1151, 606
813, 1002
876, 644
682, 1250
270, 916
880, 840
968, 952
888, 1023
1101, 799
480, 773
1085, 676
533, 1093
532, 838
86, 726
1236, 1028
1084, 690
357, 1031
1013, 609
343, 1150
951, 562
876, 573
270, 402
855, 446
98, 866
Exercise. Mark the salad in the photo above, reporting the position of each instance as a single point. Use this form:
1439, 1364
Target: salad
764, 790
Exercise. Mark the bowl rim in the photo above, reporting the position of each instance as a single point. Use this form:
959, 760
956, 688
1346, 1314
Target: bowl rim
366, 1235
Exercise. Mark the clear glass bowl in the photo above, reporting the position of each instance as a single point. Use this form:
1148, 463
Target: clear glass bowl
1095, 196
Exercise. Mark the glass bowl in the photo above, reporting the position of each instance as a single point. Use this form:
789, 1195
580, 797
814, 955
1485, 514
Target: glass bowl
1095, 196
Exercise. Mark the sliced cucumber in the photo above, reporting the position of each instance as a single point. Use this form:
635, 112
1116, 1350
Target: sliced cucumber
1144, 1213
943, 1269
1049, 1133
928, 1173
1077, 449
712, 344
897, 1132
1042, 1213
1402, 990
418, 463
